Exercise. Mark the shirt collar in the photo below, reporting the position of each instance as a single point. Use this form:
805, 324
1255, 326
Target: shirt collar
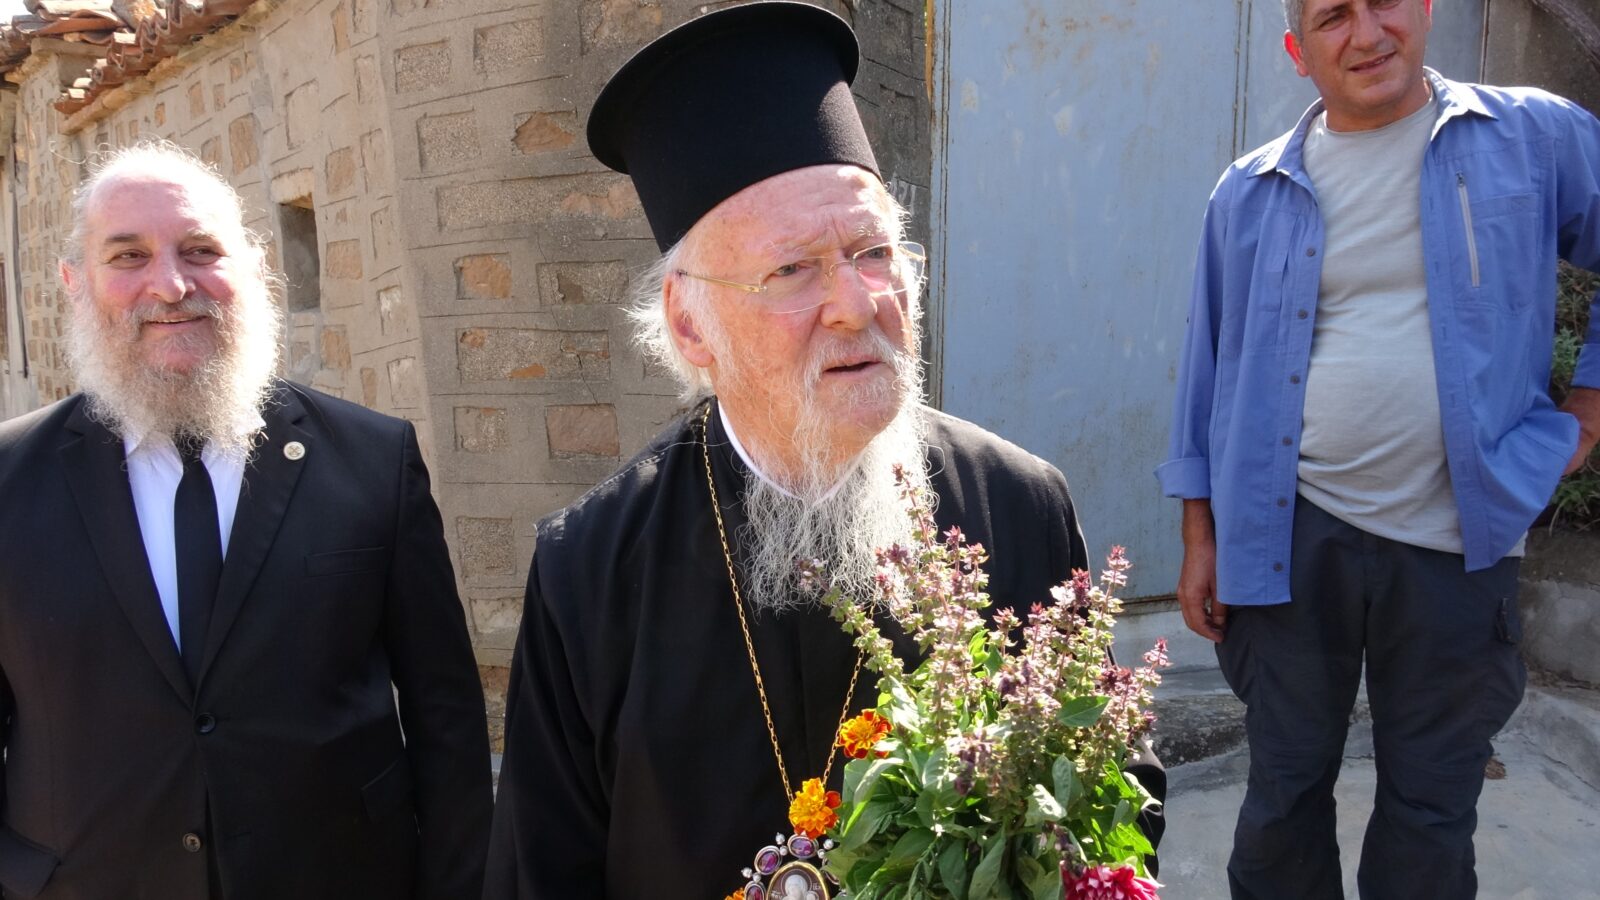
733, 438
1285, 155
139, 442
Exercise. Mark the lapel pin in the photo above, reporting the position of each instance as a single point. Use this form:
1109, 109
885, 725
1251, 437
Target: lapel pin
294, 450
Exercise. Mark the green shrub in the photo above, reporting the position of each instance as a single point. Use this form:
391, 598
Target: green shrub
1576, 503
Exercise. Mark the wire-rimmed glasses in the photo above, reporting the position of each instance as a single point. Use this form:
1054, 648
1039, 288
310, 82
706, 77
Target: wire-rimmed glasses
799, 285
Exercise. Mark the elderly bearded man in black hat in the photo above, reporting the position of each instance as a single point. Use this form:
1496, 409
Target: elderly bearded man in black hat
650, 747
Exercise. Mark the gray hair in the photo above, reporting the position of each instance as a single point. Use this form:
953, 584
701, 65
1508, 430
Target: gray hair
1293, 12
647, 310
155, 157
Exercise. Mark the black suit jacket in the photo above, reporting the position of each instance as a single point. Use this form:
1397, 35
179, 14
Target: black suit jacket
334, 745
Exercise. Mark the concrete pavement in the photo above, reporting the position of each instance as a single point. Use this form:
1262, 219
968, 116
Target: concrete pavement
1538, 833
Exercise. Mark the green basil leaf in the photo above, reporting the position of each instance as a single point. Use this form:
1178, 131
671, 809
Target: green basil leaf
1081, 712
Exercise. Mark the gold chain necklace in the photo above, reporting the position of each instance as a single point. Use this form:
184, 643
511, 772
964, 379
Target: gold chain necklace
770, 874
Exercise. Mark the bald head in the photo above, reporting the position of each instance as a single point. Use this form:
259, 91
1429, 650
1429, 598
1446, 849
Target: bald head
158, 163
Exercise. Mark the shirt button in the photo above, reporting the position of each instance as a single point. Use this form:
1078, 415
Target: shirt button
205, 723
1311, 251
191, 842
1294, 379
1288, 441
1277, 567
1282, 502
1301, 314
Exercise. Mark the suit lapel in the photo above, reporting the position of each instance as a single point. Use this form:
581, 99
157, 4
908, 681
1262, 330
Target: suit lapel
93, 460
269, 481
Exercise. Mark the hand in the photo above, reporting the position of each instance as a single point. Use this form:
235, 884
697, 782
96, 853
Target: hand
1197, 580
1584, 405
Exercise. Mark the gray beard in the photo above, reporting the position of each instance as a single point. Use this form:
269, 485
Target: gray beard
218, 403
842, 529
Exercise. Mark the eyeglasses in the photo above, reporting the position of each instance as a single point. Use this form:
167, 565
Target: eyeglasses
797, 286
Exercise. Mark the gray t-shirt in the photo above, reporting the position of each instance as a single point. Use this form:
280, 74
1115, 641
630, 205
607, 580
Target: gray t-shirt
1371, 446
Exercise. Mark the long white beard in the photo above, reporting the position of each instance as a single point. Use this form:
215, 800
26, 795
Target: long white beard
821, 511
843, 529
217, 403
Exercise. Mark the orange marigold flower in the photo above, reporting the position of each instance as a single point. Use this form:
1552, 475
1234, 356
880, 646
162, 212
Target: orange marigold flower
811, 812
858, 735
736, 895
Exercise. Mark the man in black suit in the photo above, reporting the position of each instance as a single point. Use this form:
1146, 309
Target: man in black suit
233, 663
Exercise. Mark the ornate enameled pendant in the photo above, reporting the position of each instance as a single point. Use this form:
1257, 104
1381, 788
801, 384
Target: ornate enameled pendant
799, 878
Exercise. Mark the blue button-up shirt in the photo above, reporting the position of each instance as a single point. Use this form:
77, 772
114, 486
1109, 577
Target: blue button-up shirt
1510, 181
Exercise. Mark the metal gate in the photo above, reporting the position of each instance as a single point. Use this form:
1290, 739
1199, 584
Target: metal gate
1075, 144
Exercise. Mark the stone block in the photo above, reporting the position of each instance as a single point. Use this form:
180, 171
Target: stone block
394, 313
538, 201
339, 22
516, 354
618, 23
335, 348
219, 97
486, 276
496, 681
481, 429
366, 80
211, 152
496, 48
487, 546
374, 153
363, 16
568, 283
384, 244
405, 388
242, 143
496, 619
294, 187
160, 114
421, 66
542, 132
342, 260
447, 140
582, 432
339, 170
236, 68
197, 100
369, 387
302, 114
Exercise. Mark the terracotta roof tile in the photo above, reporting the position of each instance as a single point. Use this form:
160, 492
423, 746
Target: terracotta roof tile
135, 35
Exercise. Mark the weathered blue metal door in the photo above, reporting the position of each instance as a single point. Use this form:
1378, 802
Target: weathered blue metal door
1076, 142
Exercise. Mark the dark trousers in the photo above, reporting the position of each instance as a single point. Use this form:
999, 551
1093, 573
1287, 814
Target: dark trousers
1443, 676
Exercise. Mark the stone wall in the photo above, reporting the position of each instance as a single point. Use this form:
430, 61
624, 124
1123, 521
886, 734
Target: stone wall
1529, 46
473, 255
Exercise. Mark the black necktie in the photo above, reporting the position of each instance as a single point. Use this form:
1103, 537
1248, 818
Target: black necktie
199, 544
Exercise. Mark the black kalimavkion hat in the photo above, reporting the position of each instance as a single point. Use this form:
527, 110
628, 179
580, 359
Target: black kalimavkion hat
725, 101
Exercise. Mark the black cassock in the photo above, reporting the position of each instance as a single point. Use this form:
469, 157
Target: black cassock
637, 762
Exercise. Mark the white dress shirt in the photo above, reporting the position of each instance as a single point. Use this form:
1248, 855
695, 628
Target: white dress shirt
154, 470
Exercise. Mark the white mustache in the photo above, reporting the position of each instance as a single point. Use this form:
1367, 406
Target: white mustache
189, 308
872, 345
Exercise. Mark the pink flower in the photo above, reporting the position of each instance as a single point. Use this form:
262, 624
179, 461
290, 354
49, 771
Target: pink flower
1107, 883
1156, 656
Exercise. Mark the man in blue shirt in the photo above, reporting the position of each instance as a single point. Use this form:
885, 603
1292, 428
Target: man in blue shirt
1363, 434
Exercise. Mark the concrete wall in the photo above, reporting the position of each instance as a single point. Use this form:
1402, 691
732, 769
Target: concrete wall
1529, 46
473, 254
